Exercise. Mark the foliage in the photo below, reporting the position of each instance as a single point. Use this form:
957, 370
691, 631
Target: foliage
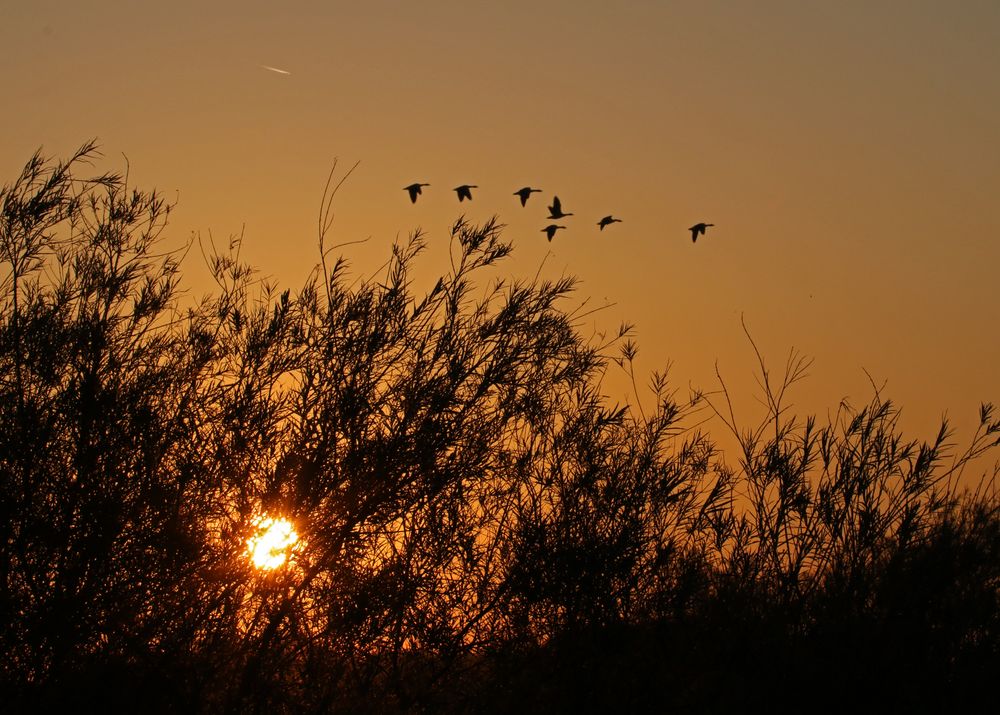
472, 509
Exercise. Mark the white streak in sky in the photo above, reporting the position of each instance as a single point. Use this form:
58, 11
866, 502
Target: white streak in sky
275, 69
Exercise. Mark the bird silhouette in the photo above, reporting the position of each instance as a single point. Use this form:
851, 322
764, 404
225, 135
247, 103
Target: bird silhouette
555, 210
607, 221
698, 228
525, 193
551, 229
414, 191
464, 192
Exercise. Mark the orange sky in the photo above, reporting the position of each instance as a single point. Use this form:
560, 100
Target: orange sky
848, 153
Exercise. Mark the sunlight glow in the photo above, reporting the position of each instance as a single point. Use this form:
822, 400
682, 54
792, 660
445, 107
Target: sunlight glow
269, 547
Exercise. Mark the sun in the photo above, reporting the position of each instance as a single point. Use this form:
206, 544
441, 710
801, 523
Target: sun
272, 542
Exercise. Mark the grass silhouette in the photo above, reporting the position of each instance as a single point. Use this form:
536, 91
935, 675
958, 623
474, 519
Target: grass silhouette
481, 529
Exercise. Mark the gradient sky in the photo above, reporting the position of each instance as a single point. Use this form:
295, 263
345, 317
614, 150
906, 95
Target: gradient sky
848, 152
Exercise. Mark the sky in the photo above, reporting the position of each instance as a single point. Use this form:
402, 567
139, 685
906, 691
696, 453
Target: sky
847, 153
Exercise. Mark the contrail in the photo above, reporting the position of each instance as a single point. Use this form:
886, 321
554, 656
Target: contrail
275, 69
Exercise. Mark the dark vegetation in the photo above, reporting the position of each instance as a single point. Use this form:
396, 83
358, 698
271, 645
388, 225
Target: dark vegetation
482, 529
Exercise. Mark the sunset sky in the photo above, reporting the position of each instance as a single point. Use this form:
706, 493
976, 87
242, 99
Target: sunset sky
848, 153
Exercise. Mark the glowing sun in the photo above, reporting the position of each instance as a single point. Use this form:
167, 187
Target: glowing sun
270, 545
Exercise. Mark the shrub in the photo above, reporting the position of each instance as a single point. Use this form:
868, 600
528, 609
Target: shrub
470, 507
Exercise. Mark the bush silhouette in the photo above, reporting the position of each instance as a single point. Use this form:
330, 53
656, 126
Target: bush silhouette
480, 528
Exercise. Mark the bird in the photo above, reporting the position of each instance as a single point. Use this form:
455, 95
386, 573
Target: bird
551, 229
555, 210
525, 193
414, 190
698, 228
464, 192
607, 221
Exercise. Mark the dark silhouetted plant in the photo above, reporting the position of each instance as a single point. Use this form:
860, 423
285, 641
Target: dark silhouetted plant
480, 527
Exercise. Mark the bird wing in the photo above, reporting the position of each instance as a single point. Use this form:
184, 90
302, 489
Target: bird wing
556, 206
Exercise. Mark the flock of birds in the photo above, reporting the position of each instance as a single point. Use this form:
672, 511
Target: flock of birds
555, 210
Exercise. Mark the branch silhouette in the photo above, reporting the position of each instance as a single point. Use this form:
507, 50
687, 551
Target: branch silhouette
480, 527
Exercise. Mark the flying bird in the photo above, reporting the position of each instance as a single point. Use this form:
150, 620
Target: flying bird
525, 193
414, 191
551, 229
698, 228
607, 221
464, 192
555, 210
275, 69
